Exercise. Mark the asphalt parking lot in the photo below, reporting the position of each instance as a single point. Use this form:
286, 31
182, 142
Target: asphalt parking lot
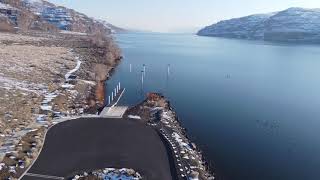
88, 144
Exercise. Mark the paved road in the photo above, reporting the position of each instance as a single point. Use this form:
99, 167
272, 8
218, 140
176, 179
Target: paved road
96, 143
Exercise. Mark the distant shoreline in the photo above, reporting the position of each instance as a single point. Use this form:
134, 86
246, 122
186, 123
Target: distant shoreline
293, 25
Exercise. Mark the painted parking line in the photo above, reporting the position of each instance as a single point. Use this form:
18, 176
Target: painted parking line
43, 176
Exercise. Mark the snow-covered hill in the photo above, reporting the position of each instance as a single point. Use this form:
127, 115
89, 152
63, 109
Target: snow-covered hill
291, 25
58, 16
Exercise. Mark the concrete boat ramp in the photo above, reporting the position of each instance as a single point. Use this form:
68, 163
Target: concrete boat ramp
111, 110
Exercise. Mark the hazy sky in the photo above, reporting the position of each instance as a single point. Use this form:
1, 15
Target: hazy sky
176, 15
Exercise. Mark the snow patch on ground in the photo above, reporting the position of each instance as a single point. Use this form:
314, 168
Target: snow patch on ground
67, 76
6, 6
134, 117
48, 98
74, 33
113, 174
10, 83
88, 82
33, 1
67, 86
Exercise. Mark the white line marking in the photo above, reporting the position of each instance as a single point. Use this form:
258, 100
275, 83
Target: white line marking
43, 176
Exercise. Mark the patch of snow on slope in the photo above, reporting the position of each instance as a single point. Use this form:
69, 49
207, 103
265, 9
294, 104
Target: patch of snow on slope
10, 83
5, 6
67, 76
106, 25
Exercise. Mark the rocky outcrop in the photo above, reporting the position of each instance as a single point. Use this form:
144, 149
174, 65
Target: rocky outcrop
188, 159
291, 25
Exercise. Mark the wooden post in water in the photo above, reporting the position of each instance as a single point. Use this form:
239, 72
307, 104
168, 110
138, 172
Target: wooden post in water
130, 68
142, 81
142, 78
112, 96
109, 101
119, 86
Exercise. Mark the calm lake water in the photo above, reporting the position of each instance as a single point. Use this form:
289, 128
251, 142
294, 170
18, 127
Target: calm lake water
253, 107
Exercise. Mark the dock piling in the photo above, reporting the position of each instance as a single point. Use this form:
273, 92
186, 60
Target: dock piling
112, 96
142, 77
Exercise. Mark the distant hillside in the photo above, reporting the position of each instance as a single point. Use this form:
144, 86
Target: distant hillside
42, 15
291, 25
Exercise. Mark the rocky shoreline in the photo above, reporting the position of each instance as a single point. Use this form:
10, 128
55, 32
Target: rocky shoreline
109, 173
189, 162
